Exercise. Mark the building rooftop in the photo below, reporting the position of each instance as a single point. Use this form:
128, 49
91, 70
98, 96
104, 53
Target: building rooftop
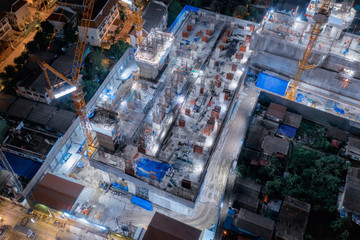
62, 14
274, 145
101, 10
292, 219
354, 144
154, 12
163, 227
337, 134
61, 120
352, 190
255, 224
5, 101
41, 114
21, 108
255, 137
276, 111
11, 5
56, 192
292, 119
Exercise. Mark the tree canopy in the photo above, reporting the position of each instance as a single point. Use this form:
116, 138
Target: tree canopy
118, 49
70, 32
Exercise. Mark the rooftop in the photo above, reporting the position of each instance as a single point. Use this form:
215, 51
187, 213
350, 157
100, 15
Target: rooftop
153, 15
292, 219
62, 14
163, 227
274, 145
56, 192
276, 111
292, 119
255, 224
11, 5
255, 137
337, 134
352, 190
21, 108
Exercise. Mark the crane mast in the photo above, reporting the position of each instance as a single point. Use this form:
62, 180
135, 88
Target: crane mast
320, 19
73, 77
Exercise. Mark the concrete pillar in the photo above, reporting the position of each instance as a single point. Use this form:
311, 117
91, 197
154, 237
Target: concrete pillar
212, 26
211, 64
217, 52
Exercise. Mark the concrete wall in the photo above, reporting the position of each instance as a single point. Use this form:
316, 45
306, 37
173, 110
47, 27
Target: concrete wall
156, 196
312, 114
279, 47
60, 148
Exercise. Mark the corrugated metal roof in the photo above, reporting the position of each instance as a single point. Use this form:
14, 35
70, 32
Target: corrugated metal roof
165, 228
56, 192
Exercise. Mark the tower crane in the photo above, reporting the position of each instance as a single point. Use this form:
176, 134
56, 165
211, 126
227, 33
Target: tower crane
320, 18
69, 83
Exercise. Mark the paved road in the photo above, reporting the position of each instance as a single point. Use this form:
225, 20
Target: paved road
18, 50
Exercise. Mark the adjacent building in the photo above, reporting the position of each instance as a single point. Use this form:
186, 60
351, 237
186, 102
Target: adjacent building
292, 219
154, 17
103, 22
17, 13
349, 205
60, 16
5, 28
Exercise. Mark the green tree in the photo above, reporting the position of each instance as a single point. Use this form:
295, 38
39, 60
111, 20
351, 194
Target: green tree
10, 72
20, 60
97, 57
32, 46
70, 32
118, 49
274, 188
174, 10
90, 87
41, 40
89, 71
47, 27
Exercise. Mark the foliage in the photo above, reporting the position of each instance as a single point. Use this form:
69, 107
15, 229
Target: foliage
47, 27
274, 188
20, 60
90, 88
89, 71
41, 40
344, 228
174, 10
118, 49
32, 46
315, 178
70, 32
96, 57
240, 11
10, 72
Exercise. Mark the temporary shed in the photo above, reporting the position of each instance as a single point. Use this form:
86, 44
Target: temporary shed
56, 192
163, 227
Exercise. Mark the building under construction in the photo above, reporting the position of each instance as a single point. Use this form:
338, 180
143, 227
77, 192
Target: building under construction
165, 118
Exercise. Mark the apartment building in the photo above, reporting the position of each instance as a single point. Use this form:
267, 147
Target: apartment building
5, 28
17, 13
60, 16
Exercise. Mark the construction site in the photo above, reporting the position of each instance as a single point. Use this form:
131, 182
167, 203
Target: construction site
164, 122
167, 124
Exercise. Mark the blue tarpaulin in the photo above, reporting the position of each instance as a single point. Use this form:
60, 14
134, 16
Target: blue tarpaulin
145, 167
228, 223
22, 166
181, 17
287, 130
118, 185
338, 110
142, 203
272, 84
299, 98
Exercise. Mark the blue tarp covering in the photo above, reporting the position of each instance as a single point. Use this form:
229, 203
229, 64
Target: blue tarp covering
228, 223
22, 166
118, 185
287, 130
299, 98
145, 166
142, 203
272, 84
338, 110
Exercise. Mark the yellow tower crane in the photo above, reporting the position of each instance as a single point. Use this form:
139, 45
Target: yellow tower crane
320, 19
134, 5
70, 83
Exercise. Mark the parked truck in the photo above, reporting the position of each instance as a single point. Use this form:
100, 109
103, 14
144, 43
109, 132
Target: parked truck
24, 231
